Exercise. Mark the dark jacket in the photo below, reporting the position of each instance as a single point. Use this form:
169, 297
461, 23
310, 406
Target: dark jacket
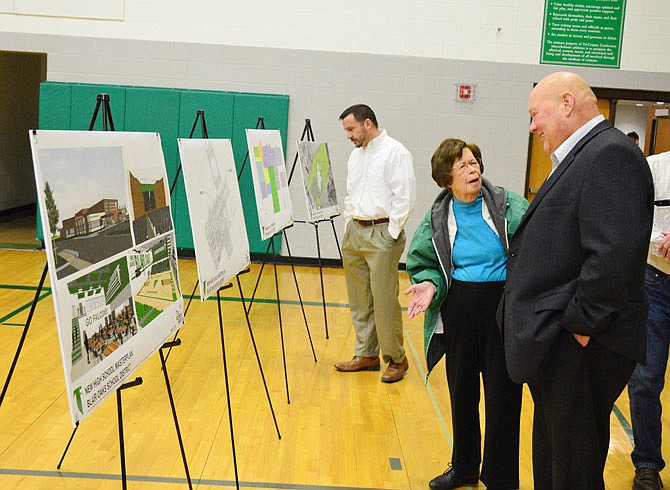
429, 255
577, 260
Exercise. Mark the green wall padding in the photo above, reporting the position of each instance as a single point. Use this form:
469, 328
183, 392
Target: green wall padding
84, 102
218, 107
218, 117
157, 110
54, 108
54, 113
172, 112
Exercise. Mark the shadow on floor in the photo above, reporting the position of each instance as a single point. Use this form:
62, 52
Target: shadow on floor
18, 229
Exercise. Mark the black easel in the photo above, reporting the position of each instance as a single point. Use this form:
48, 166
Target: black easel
260, 124
225, 375
253, 342
308, 135
122, 446
169, 345
107, 122
200, 116
36, 298
103, 100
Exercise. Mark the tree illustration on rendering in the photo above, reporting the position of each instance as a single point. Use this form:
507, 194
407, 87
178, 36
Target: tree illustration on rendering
52, 209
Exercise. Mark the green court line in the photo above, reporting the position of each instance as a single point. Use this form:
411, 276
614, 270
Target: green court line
23, 288
24, 307
21, 246
429, 390
619, 415
171, 480
274, 301
167, 300
14, 324
625, 424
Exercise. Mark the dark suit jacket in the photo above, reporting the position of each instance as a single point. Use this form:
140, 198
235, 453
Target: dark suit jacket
577, 260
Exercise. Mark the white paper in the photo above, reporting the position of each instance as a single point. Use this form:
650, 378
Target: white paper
111, 254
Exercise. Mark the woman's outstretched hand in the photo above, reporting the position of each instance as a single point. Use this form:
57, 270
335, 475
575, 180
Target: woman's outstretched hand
423, 294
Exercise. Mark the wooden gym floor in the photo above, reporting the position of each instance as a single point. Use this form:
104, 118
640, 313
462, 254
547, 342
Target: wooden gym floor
340, 431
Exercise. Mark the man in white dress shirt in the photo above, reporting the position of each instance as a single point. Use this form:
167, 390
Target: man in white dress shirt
380, 198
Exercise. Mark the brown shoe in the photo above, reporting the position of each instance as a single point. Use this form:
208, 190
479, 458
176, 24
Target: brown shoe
647, 479
359, 364
396, 371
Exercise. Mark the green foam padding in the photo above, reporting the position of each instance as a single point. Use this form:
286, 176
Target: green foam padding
172, 113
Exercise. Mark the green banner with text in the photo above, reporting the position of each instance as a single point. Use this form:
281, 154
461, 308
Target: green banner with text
583, 32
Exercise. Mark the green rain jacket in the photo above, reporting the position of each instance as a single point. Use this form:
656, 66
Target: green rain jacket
429, 255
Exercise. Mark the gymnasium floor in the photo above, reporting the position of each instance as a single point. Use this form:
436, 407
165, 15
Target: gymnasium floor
340, 431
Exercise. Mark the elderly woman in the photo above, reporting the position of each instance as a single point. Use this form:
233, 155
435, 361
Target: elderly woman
457, 265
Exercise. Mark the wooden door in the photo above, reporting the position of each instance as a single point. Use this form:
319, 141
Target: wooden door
659, 141
662, 137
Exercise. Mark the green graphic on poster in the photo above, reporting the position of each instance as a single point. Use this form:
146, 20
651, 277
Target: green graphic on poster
273, 201
317, 178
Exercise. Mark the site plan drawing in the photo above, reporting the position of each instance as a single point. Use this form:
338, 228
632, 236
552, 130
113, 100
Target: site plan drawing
317, 179
215, 205
273, 201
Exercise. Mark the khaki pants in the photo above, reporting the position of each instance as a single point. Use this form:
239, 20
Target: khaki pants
370, 258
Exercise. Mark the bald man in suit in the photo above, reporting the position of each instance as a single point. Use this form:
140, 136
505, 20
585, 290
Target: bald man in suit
574, 306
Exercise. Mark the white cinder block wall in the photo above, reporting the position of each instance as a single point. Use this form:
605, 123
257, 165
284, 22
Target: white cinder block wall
401, 57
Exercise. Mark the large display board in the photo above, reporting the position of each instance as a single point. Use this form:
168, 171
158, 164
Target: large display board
105, 209
273, 201
217, 220
317, 179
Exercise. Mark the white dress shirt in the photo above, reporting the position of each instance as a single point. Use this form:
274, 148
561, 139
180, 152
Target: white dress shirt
562, 151
660, 171
381, 183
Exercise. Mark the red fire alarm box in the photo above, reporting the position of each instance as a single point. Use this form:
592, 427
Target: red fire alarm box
465, 92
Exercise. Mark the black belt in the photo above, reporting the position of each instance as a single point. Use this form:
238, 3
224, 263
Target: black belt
662, 203
371, 222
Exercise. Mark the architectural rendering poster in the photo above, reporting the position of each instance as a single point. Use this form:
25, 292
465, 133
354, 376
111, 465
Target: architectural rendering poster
217, 220
317, 177
273, 201
111, 253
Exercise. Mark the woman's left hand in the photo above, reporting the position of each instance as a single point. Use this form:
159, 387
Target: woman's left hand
423, 295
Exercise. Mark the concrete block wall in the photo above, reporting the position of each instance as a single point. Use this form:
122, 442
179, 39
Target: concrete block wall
508, 31
412, 96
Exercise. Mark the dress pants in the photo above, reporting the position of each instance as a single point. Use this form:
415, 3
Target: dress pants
574, 396
647, 381
370, 257
473, 344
